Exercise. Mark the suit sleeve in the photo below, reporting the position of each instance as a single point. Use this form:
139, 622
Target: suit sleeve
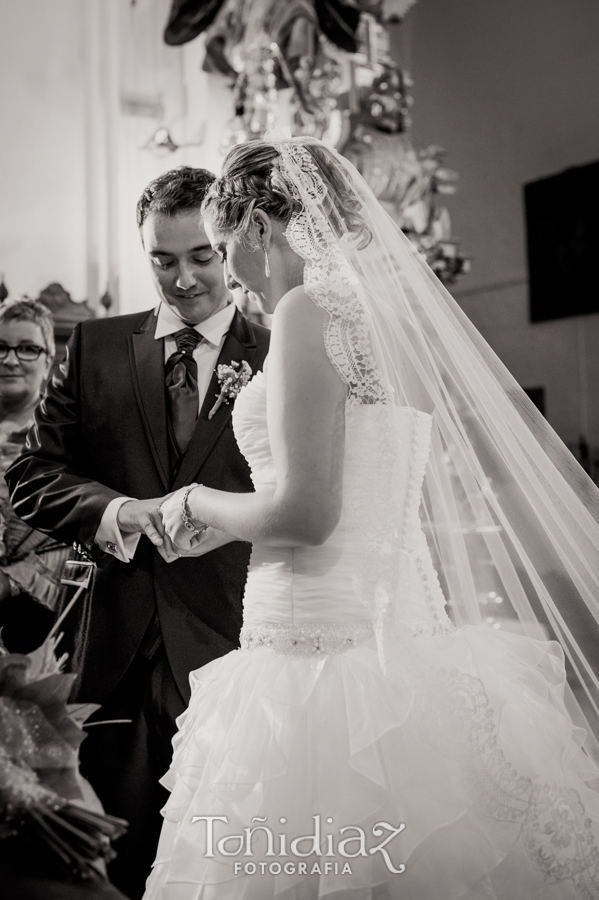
50, 488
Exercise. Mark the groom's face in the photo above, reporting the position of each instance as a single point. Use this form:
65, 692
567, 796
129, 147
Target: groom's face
187, 274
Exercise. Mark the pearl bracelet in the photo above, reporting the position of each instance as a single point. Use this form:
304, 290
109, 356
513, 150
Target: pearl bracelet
186, 513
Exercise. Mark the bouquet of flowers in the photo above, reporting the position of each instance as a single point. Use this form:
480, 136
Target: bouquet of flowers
43, 798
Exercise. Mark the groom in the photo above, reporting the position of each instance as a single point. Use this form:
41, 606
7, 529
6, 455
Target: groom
124, 422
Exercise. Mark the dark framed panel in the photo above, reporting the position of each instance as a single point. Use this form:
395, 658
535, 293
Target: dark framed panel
537, 395
562, 230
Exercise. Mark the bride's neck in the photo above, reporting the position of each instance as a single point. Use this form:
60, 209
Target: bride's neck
294, 271
286, 276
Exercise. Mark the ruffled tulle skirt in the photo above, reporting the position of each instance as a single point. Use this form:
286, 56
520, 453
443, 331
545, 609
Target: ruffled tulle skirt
468, 746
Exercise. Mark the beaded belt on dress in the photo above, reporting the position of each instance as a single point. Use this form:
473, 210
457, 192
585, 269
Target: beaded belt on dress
310, 639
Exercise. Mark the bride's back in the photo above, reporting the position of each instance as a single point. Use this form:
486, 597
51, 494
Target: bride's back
323, 584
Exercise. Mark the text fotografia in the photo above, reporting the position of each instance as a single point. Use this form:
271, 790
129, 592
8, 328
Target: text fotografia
351, 842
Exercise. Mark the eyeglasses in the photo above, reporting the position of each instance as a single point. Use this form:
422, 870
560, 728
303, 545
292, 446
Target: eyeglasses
24, 352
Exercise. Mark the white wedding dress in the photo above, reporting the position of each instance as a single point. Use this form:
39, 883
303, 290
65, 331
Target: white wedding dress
465, 739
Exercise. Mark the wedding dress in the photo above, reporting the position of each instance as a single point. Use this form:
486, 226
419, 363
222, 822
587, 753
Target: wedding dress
468, 744
369, 740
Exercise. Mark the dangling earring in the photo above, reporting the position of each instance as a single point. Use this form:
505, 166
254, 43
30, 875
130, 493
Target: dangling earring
266, 266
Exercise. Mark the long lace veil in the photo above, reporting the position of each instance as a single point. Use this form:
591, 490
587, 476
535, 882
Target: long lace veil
511, 519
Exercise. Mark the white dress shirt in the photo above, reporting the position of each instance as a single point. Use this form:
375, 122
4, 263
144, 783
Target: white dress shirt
213, 330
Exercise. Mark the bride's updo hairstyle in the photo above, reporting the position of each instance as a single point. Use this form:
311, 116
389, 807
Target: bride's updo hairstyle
252, 179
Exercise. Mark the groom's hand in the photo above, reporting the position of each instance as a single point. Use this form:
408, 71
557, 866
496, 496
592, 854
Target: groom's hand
168, 551
142, 516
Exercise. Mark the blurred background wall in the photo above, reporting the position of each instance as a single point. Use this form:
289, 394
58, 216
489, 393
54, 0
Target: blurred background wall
509, 88
83, 85
42, 146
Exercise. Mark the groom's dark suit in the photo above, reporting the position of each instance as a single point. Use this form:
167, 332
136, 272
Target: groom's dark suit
101, 433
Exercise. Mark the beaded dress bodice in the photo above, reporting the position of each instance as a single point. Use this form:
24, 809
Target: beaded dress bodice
305, 587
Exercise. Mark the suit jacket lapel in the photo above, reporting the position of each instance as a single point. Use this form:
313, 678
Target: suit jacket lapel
147, 363
239, 345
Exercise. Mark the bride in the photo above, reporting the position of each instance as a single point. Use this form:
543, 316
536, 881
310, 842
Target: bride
375, 737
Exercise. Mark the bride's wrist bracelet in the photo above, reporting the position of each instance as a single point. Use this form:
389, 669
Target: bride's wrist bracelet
186, 513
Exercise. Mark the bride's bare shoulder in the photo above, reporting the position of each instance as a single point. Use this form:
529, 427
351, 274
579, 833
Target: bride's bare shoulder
298, 352
296, 311
296, 298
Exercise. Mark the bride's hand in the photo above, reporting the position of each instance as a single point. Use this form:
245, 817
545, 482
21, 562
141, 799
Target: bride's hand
209, 540
172, 516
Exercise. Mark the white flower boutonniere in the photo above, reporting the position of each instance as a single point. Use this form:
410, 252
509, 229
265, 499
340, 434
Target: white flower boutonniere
231, 379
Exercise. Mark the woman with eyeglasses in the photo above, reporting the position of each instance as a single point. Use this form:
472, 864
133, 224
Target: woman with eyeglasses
30, 562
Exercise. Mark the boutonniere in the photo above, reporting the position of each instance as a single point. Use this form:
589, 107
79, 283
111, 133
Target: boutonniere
231, 379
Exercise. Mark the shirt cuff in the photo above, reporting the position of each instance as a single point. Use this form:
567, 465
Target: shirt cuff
110, 538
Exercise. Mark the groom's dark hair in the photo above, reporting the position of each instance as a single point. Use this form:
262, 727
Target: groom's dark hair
173, 192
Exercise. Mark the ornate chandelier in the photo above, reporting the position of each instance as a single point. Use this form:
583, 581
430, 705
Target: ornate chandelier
322, 67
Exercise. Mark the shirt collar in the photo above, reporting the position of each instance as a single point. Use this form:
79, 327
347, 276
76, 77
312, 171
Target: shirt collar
212, 329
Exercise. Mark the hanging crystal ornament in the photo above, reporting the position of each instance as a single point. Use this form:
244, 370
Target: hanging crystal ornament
262, 109
321, 80
235, 131
255, 96
161, 142
407, 183
360, 103
427, 223
106, 301
389, 101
